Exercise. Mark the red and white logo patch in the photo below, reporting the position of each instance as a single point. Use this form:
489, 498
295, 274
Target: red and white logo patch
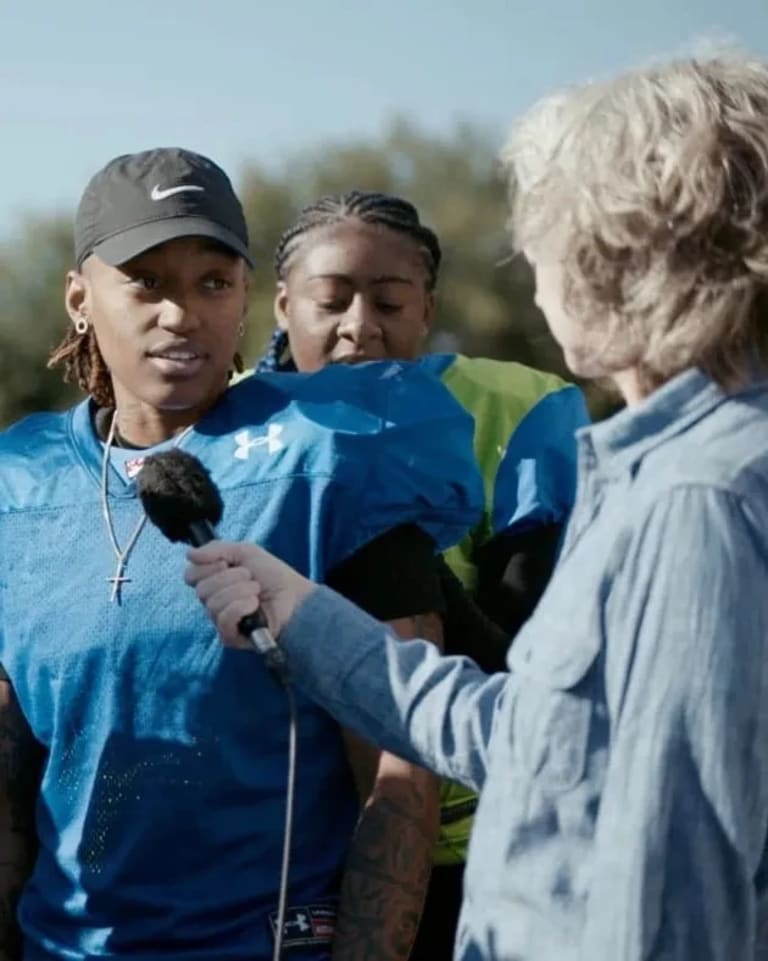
308, 924
133, 466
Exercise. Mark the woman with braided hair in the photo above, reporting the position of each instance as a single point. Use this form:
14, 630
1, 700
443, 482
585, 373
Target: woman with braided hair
142, 769
356, 278
390, 220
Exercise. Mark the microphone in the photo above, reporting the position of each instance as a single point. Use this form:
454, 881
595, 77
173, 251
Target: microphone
181, 499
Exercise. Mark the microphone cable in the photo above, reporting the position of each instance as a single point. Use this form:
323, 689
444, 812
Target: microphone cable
278, 669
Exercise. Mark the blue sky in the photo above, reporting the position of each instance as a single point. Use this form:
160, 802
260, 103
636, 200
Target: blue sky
81, 82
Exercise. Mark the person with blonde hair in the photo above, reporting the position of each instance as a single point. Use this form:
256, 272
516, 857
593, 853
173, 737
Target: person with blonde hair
623, 760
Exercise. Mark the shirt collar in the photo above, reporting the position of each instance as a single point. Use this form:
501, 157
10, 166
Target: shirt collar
618, 443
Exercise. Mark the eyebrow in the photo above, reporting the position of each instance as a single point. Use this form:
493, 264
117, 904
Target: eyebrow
381, 279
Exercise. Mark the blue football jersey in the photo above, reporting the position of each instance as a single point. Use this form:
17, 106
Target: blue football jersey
161, 808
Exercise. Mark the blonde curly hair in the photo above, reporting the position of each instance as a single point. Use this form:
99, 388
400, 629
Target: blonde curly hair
656, 184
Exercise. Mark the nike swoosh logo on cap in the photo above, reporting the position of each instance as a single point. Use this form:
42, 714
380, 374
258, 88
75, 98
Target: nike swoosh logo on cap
158, 194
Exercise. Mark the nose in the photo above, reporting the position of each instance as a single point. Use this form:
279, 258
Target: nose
177, 315
360, 321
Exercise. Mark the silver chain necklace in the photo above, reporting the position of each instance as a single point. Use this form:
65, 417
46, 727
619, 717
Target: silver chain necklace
119, 577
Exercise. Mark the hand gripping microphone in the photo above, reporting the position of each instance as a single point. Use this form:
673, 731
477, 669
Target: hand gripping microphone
180, 498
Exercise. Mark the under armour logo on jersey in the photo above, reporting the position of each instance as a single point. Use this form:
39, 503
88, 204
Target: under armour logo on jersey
300, 922
271, 440
310, 924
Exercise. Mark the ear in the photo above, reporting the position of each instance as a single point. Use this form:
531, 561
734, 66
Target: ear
429, 312
281, 305
77, 296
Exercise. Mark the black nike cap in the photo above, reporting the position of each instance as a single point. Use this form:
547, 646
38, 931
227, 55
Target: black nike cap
144, 199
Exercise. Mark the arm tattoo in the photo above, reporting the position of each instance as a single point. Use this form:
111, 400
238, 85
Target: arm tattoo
20, 765
385, 882
390, 860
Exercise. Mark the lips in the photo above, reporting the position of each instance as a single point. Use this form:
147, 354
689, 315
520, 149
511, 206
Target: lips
177, 360
183, 354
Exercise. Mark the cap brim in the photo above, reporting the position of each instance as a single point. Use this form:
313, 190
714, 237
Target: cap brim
137, 240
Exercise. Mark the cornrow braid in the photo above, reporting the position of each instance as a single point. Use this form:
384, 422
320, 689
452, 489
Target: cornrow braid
273, 359
83, 365
383, 210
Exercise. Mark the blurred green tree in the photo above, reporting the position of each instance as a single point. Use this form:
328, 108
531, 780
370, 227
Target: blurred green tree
485, 299
32, 316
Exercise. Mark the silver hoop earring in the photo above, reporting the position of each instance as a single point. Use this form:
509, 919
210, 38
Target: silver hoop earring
81, 326
241, 329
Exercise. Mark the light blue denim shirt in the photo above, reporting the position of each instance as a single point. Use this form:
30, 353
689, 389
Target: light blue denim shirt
623, 761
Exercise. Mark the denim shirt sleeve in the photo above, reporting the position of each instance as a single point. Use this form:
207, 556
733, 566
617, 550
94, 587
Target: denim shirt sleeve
681, 830
436, 711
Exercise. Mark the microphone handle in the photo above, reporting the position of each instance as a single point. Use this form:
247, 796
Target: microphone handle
253, 626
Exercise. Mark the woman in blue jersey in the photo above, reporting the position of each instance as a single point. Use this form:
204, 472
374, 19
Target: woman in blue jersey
146, 767
356, 279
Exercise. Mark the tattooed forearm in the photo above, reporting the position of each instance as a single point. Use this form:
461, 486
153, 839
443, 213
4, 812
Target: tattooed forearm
390, 859
387, 875
20, 762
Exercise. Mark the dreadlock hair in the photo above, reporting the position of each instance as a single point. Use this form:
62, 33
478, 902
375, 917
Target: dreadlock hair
83, 365
383, 210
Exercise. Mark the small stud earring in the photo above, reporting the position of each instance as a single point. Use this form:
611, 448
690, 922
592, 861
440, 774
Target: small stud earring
81, 326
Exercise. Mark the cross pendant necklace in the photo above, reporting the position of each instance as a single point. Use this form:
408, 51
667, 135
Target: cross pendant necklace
118, 578
121, 555
117, 581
